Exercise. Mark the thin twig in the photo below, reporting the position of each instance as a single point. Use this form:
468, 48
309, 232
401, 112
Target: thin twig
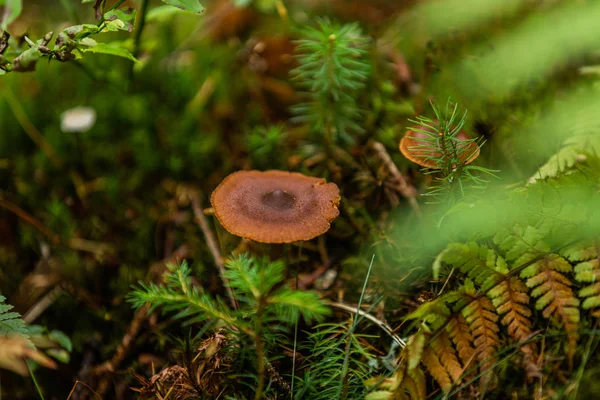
212, 243
407, 190
83, 384
30, 219
385, 327
41, 305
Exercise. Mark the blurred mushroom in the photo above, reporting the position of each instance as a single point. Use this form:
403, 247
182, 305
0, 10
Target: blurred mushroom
275, 206
422, 152
78, 119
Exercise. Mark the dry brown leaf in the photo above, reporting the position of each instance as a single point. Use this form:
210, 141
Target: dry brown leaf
15, 351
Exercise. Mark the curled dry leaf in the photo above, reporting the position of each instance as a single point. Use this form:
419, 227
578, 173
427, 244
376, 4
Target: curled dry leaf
15, 351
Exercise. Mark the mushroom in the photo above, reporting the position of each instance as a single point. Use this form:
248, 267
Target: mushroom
423, 152
78, 119
275, 206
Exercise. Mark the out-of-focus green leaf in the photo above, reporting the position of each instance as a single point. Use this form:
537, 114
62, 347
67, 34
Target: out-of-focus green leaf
162, 13
187, 5
59, 354
9, 11
120, 19
572, 149
109, 48
62, 339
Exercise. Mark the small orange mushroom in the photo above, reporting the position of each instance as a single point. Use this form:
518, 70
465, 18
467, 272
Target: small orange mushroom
275, 206
422, 152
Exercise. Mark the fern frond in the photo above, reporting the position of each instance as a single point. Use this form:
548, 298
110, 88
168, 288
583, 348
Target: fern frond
589, 272
512, 302
521, 244
11, 323
478, 262
481, 316
460, 334
566, 157
440, 359
415, 385
554, 295
413, 350
406, 382
581, 251
434, 313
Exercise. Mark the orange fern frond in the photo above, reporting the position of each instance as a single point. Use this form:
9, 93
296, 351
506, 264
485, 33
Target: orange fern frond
512, 302
481, 316
554, 295
441, 361
432, 362
458, 330
415, 384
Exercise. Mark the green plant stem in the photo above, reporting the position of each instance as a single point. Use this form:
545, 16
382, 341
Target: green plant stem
260, 356
138, 34
295, 333
114, 6
35, 383
346, 364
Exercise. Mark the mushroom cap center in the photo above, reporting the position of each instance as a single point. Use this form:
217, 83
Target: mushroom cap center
279, 200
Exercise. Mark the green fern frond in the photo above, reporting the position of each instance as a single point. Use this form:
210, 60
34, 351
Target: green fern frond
11, 323
571, 150
583, 250
521, 244
478, 262
589, 272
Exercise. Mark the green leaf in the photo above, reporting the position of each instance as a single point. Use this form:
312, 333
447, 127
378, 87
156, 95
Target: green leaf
572, 150
109, 48
11, 322
11, 9
120, 20
187, 5
162, 13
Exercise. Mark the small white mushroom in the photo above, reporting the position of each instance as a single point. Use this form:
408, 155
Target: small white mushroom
78, 119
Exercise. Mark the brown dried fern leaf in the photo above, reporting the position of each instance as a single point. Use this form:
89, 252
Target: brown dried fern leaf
512, 302
458, 330
441, 360
481, 316
434, 365
555, 298
405, 384
415, 384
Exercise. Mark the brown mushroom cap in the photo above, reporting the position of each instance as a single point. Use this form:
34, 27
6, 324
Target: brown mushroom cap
414, 148
275, 206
